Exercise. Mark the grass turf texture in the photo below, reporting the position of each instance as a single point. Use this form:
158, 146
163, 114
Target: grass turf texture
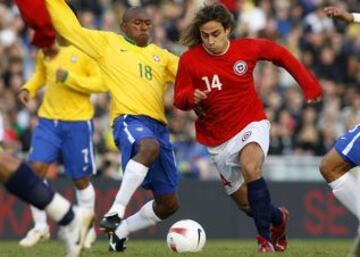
213, 248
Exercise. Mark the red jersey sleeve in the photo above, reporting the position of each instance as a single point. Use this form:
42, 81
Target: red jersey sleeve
35, 15
270, 51
184, 91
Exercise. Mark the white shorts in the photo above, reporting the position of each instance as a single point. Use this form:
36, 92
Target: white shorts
226, 156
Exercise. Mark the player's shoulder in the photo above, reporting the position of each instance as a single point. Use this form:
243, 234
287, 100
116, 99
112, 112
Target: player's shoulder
192, 52
157, 50
251, 44
246, 41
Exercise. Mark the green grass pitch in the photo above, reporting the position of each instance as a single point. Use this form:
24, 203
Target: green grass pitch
213, 248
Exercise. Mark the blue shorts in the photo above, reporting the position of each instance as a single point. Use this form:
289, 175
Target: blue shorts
348, 146
69, 141
128, 131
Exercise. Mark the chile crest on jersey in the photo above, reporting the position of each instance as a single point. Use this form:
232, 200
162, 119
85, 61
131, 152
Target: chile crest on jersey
240, 67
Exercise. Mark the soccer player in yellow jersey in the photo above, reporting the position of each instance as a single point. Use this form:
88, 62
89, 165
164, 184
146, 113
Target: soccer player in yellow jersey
65, 129
135, 73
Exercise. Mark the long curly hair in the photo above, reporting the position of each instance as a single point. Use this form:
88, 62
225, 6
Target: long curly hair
191, 37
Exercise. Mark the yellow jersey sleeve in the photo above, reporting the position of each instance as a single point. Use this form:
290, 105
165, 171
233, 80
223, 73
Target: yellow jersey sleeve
37, 81
89, 84
172, 66
91, 42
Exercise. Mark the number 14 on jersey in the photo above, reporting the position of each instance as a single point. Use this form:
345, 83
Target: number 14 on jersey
213, 84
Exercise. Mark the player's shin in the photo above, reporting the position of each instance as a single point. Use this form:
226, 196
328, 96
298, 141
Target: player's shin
259, 200
134, 175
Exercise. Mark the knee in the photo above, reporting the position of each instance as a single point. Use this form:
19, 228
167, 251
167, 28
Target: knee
40, 168
165, 210
251, 171
171, 208
326, 169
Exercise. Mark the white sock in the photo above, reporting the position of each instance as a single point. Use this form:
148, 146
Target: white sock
345, 190
134, 175
58, 207
86, 197
39, 217
144, 218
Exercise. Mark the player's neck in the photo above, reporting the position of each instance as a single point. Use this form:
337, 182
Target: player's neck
133, 42
222, 53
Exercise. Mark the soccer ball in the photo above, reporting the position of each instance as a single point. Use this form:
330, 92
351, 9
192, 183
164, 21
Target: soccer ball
186, 236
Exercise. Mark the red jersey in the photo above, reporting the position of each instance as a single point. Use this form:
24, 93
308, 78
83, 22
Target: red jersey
35, 15
232, 102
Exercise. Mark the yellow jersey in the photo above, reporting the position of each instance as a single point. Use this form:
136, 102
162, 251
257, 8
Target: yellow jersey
136, 77
67, 101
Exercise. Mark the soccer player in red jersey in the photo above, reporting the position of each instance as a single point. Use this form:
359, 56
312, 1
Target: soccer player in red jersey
215, 78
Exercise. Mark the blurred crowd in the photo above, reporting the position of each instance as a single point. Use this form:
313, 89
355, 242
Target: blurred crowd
330, 49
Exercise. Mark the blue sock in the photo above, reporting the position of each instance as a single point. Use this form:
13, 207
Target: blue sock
259, 200
29, 187
276, 215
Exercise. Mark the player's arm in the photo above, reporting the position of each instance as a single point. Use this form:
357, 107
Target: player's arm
341, 14
184, 91
91, 42
88, 84
172, 66
37, 81
283, 58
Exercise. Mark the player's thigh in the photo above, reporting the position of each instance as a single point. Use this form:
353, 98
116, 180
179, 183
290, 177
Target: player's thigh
77, 150
162, 178
128, 133
45, 142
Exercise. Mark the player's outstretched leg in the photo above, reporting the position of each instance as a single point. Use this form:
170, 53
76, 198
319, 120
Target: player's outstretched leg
134, 175
40, 232
85, 195
21, 181
135, 171
151, 213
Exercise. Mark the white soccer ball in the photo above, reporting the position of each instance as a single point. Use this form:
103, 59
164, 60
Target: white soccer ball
186, 236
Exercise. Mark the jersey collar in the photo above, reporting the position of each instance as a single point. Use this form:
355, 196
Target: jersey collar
129, 40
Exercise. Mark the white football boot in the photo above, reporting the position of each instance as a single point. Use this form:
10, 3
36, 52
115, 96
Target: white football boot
76, 232
34, 236
90, 238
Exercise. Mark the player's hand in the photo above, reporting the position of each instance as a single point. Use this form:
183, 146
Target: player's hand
24, 96
61, 75
315, 100
338, 13
200, 95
